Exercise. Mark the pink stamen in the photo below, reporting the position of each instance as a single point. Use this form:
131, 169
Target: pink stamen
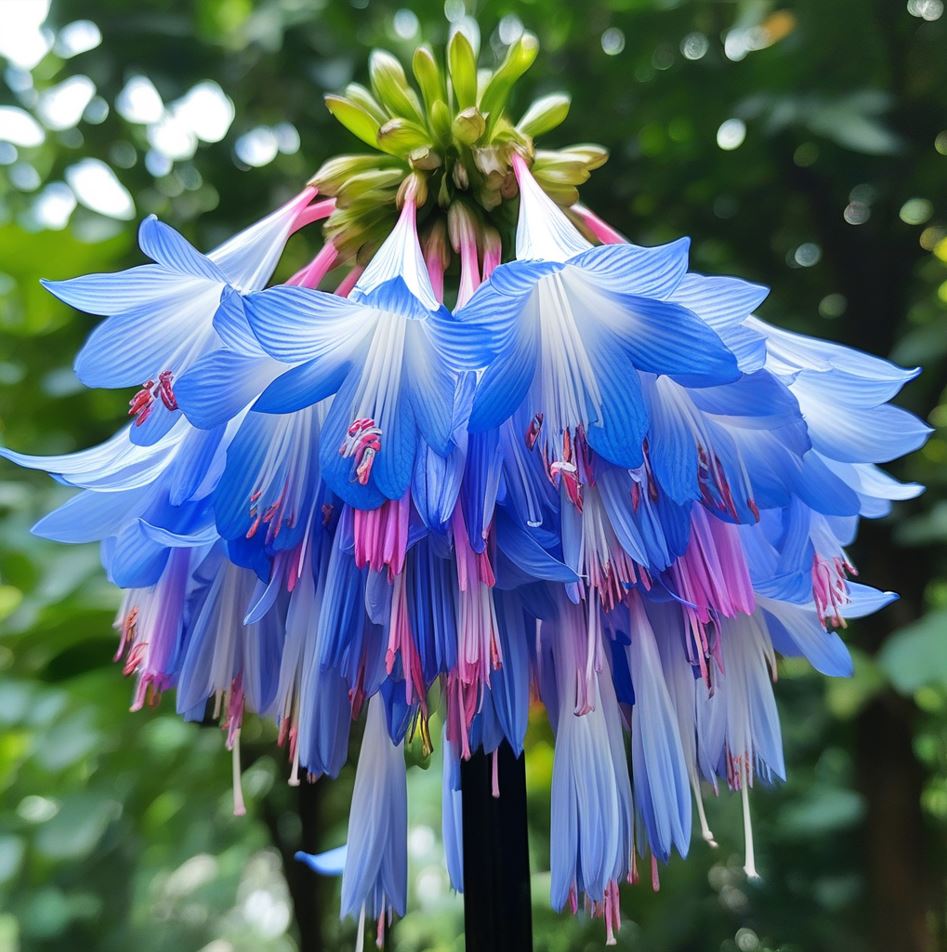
401, 644
381, 535
830, 589
713, 578
140, 405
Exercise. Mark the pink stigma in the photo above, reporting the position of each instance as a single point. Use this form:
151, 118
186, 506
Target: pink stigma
141, 404
363, 443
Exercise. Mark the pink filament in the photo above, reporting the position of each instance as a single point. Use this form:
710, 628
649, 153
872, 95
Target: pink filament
401, 644
381, 535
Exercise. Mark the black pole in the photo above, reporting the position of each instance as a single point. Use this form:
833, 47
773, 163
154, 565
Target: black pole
497, 914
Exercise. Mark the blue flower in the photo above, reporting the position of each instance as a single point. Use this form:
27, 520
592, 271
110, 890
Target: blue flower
378, 353
573, 326
374, 881
160, 316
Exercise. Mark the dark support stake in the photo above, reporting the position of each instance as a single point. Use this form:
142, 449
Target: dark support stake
497, 914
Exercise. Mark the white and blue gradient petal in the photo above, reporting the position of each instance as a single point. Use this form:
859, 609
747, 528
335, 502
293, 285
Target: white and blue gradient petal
376, 862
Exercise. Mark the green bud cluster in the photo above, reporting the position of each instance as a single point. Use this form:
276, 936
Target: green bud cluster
449, 139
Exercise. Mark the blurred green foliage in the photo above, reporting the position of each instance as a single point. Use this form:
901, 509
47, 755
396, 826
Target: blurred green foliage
803, 144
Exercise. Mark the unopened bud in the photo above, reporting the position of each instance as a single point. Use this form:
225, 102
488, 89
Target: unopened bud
364, 98
413, 188
519, 57
462, 64
355, 118
391, 86
334, 173
424, 159
468, 125
401, 136
429, 76
545, 114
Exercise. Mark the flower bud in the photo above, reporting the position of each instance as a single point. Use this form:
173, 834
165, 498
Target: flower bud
592, 156
429, 76
334, 173
355, 118
462, 64
391, 86
363, 97
469, 125
519, 58
400, 136
424, 159
545, 114
369, 186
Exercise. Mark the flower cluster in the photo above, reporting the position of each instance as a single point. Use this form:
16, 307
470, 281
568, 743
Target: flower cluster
509, 456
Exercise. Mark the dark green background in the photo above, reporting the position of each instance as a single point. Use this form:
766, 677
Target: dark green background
115, 829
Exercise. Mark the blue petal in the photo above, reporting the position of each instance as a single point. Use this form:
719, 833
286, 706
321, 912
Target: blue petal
376, 865
156, 427
107, 294
630, 269
874, 435
665, 338
522, 547
337, 470
220, 384
724, 303
295, 324
126, 350
505, 383
91, 516
395, 462
136, 560
431, 387
170, 250
618, 433
232, 326
796, 630
302, 387
662, 790
329, 863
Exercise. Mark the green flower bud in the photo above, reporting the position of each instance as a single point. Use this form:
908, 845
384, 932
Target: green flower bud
429, 76
462, 64
592, 156
355, 118
400, 136
363, 97
440, 121
390, 86
468, 125
545, 115
424, 159
334, 173
519, 57
562, 167
369, 185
